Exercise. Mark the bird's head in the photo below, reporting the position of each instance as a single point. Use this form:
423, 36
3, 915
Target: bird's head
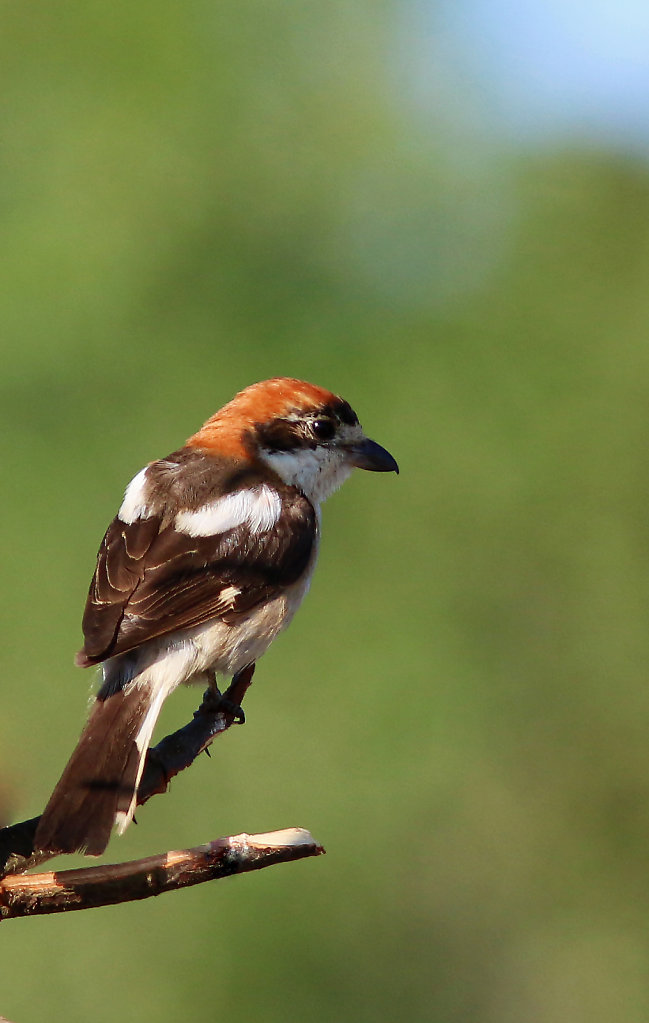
307, 435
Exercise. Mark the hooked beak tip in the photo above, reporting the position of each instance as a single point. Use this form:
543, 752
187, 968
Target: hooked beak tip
371, 456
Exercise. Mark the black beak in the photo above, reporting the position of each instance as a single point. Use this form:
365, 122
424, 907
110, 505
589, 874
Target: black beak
370, 455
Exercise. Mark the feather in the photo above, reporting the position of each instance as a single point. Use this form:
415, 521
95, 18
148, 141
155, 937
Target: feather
100, 778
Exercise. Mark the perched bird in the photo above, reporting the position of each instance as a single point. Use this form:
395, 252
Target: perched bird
209, 557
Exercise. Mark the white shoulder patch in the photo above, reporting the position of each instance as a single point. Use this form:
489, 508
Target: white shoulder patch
134, 505
259, 509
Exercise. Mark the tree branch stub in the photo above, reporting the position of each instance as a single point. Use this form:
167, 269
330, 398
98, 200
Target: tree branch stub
109, 884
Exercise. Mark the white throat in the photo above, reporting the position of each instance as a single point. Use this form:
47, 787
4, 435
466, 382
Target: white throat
317, 472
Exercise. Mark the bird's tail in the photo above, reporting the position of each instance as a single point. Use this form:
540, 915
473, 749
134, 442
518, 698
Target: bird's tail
98, 788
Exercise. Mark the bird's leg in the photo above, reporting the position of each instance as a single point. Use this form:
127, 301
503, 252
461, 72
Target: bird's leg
227, 702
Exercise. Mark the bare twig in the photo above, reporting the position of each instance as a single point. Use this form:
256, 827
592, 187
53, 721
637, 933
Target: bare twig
172, 755
61, 891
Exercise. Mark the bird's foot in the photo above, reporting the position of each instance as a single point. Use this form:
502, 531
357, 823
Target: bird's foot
227, 706
214, 702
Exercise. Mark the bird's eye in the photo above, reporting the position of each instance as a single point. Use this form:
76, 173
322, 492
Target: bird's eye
323, 428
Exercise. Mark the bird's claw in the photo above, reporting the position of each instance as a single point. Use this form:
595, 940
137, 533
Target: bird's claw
228, 706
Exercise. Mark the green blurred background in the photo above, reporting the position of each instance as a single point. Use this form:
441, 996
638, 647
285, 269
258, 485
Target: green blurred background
196, 196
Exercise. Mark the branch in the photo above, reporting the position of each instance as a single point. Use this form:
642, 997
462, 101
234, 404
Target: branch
61, 891
172, 755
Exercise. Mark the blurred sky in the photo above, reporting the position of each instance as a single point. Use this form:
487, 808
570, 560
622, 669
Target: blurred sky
538, 71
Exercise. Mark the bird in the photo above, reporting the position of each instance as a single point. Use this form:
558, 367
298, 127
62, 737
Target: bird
206, 562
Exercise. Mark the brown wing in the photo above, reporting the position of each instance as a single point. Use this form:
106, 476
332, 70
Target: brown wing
151, 581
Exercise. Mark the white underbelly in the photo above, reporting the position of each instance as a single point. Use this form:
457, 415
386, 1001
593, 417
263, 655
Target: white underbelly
228, 648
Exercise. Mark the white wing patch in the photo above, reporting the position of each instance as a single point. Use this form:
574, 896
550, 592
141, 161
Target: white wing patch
134, 505
259, 509
229, 595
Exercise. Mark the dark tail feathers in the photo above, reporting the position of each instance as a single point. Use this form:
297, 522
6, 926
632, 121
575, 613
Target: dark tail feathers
99, 779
